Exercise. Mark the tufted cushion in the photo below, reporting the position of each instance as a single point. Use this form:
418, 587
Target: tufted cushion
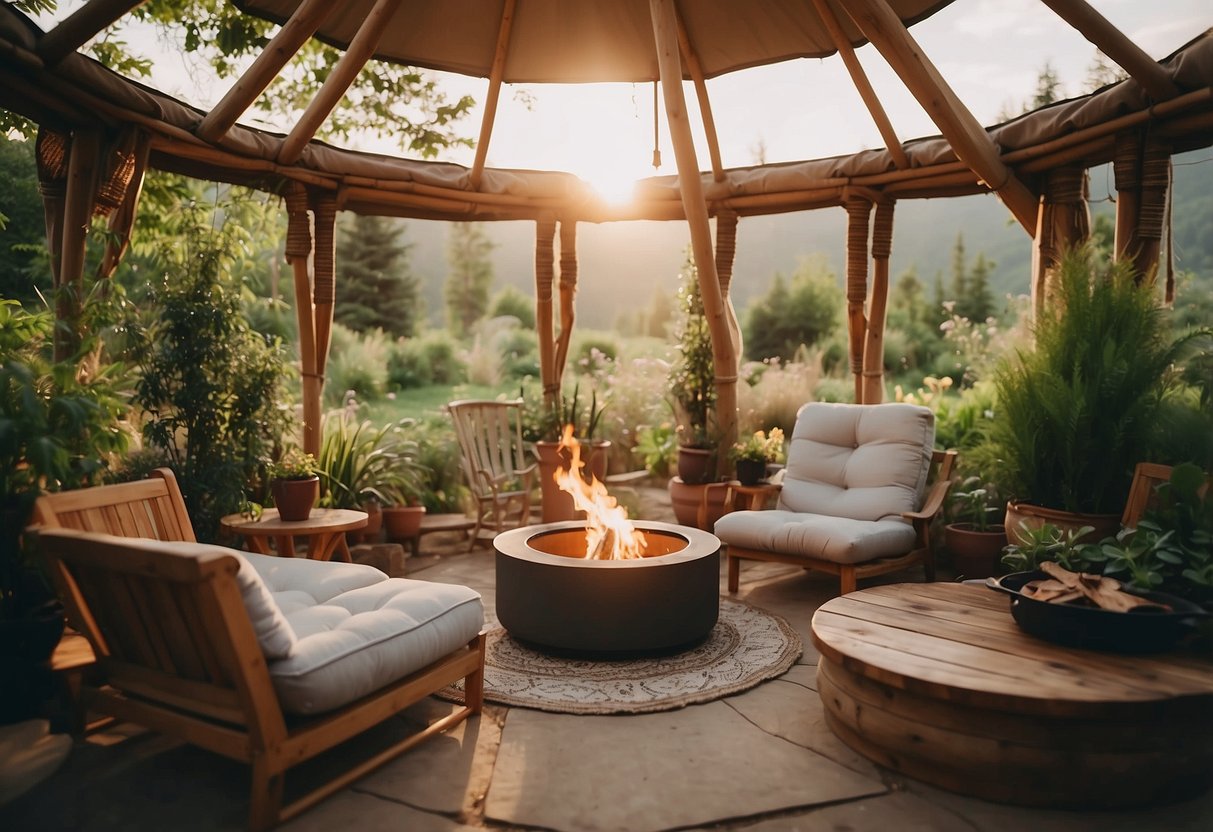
358, 630
864, 462
837, 539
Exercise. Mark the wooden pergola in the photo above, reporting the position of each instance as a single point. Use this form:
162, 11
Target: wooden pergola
100, 132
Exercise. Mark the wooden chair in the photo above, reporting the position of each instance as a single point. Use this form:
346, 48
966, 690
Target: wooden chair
496, 464
857, 499
181, 656
150, 508
1147, 476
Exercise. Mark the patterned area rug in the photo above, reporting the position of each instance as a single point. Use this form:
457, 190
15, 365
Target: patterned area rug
747, 646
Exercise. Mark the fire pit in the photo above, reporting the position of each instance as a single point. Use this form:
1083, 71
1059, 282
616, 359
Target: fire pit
550, 594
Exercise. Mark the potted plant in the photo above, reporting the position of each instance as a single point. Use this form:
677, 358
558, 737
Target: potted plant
356, 463
557, 504
752, 455
1077, 411
974, 542
294, 484
692, 383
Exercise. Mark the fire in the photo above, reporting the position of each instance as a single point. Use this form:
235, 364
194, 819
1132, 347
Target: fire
609, 535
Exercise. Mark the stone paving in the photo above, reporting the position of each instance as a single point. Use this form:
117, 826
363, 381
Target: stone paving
762, 760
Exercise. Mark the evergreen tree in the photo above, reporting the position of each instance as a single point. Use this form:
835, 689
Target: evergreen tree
804, 310
1101, 72
938, 299
374, 286
469, 275
978, 302
960, 276
1048, 87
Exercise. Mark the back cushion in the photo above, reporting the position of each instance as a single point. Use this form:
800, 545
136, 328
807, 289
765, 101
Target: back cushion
865, 462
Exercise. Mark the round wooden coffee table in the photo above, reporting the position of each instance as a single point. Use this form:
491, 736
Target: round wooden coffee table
324, 529
937, 681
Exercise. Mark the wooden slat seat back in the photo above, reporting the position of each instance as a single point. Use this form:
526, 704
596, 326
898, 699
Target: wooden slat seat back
496, 464
167, 629
148, 508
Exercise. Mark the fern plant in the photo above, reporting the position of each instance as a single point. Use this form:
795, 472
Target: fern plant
1078, 411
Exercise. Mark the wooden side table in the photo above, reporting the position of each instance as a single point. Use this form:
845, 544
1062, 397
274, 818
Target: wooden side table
325, 532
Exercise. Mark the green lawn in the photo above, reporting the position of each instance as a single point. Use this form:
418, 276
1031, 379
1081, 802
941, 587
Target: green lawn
423, 402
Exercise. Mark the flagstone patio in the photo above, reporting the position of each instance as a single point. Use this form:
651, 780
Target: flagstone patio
760, 760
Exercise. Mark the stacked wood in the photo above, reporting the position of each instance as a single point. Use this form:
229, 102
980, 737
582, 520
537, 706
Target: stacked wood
1066, 587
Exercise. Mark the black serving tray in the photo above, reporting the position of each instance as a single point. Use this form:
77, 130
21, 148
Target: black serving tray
1143, 630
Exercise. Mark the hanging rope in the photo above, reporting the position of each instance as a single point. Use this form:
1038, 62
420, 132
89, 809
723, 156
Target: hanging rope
656, 148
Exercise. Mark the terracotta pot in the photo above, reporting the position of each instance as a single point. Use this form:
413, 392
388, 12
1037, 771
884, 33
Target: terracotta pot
402, 522
686, 497
750, 471
975, 554
695, 465
294, 498
374, 523
1106, 525
557, 504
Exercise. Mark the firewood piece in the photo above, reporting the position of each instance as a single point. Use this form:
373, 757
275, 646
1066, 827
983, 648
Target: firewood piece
1106, 593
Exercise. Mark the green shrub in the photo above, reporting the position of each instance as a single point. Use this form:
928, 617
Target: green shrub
357, 365
441, 488
432, 358
778, 393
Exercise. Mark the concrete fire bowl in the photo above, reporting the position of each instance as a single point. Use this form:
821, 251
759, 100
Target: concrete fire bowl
550, 595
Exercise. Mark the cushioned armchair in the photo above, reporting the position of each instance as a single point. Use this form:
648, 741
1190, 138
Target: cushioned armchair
854, 501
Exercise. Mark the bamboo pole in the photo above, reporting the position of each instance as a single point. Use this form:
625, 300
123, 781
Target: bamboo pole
859, 213
298, 252
355, 57
873, 345
862, 84
1113, 43
122, 220
83, 159
701, 92
494, 93
1065, 222
80, 26
307, 18
1126, 169
665, 35
971, 143
324, 292
726, 249
1152, 211
568, 296
545, 234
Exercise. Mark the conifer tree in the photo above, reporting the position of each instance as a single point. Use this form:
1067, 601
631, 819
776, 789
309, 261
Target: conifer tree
978, 302
374, 286
469, 275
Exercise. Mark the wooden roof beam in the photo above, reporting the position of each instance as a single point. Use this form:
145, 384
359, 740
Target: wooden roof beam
494, 93
80, 27
290, 38
1113, 43
355, 57
970, 142
701, 92
862, 84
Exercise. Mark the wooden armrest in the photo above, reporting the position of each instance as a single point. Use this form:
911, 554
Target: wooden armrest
932, 505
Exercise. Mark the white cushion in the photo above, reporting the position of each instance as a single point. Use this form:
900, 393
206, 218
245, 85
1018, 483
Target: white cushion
864, 462
837, 539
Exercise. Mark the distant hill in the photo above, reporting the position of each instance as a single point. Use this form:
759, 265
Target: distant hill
621, 263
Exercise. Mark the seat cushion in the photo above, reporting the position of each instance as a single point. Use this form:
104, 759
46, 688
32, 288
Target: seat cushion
863, 462
357, 630
836, 539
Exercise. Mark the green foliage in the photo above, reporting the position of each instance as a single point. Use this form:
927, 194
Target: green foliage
59, 425
430, 359
359, 461
469, 275
377, 291
509, 301
542, 423
358, 365
22, 224
441, 487
774, 391
759, 447
293, 464
211, 387
692, 379
657, 447
1080, 410
1046, 542
802, 311
974, 504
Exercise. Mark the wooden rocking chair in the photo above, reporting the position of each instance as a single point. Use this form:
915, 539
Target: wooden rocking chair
496, 464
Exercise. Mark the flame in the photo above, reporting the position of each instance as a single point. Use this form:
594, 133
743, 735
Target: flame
609, 535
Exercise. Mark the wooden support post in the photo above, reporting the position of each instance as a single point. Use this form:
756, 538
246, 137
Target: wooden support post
1113, 43
701, 92
859, 212
122, 220
298, 253
568, 296
1126, 168
81, 26
324, 293
355, 57
83, 160
873, 345
665, 35
862, 84
494, 93
726, 249
1151, 217
51, 151
1065, 222
282, 47
545, 266
970, 142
